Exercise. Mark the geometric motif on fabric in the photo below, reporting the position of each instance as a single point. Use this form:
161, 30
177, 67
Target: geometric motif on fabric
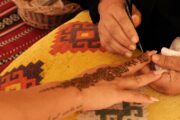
6, 60
76, 36
22, 77
15, 35
10, 20
124, 111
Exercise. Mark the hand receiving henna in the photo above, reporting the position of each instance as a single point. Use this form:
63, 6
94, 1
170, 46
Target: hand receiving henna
105, 86
107, 92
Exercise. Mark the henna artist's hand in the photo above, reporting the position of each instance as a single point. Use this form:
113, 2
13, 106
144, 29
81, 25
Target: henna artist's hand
117, 33
170, 81
106, 93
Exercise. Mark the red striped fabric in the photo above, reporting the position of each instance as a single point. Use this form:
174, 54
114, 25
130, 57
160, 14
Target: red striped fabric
15, 35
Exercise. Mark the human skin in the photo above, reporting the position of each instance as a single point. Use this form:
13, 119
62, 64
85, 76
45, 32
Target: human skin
169, 83
117, 32
54, 101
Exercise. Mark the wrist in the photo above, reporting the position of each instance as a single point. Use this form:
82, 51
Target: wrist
78, 100
105, 4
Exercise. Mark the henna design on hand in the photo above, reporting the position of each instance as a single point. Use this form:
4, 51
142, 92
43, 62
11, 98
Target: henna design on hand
108, 73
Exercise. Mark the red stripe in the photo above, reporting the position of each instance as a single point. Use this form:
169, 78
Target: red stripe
19, 41
10, 26
13, 33
25, 39
6, 6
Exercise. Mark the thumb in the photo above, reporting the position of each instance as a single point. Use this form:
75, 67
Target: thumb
168, 62
136, 16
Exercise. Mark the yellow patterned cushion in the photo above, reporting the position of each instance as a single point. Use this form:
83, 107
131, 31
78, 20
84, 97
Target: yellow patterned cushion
69, 50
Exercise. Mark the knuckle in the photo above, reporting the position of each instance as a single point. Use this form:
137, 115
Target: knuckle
119, 35
122, 19
137, 80
110, 11
113, 8
131, 31
112, 27
127, 45
124, 41
120, 49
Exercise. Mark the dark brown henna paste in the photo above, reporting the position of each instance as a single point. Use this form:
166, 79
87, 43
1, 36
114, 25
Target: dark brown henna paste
107, 73
143, 58
60, 115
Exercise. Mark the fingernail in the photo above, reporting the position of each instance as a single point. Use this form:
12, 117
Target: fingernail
134, 17
159, 72
155, 58
153, 99
128, 54
132, 47
154, 51
134, 40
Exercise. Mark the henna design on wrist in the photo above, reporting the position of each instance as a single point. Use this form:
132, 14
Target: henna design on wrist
65, 113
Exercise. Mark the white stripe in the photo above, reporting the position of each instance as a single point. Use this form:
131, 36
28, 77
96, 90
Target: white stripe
12, 29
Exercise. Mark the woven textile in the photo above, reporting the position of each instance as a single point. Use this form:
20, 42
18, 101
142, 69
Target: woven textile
15, 35
70, 50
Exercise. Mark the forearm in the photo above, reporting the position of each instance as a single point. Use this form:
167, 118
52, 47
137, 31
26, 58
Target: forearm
32, 104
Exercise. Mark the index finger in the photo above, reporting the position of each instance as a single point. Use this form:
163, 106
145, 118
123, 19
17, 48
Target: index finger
138, 63
128, 68
127, 25
135, 82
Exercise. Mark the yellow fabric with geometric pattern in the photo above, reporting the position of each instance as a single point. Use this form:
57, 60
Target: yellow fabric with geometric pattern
66, 52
